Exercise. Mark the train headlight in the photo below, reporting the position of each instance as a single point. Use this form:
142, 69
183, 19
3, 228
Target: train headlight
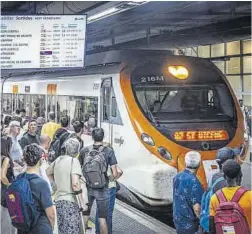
147, 139
246, 136
164, 153
180, 72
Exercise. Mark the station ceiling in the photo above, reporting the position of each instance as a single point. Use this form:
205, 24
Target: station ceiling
151, 25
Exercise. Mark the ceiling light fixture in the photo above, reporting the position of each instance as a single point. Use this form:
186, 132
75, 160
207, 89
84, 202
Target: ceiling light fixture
115, 10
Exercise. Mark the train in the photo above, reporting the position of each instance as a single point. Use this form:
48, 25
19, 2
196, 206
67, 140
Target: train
153, 106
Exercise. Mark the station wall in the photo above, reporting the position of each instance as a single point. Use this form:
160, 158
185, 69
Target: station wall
236, 66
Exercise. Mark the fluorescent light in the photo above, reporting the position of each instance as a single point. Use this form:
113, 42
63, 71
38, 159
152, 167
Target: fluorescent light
103, 13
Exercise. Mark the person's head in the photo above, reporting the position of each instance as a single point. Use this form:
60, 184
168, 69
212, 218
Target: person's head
17, 112
40, 121
78, 126
98, 135
32, 155
14, 128
32, 127
232, 173
45, 141
92, 122
22, 113
51, 116
64, 121
72, 147
192, 160
6, 144
241, 102
7, 120
224, 154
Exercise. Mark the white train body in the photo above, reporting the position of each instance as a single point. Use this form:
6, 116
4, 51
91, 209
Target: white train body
145, 143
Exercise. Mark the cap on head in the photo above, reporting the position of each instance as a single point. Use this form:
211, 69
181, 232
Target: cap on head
231, 169
224, 154
192, 159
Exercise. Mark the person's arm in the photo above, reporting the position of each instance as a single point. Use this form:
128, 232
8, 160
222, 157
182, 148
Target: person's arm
119, 172
46, 202
76, 183
196, 209
50, 213
5, 166
214, 202
114, 171
76, 186
196, 195
113, 163
50, 172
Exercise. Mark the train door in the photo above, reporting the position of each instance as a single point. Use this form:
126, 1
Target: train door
111, 120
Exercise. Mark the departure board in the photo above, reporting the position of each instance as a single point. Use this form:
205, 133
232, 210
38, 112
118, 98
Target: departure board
52, 41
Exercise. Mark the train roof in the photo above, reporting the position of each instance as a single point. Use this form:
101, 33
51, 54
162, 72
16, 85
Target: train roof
100, 63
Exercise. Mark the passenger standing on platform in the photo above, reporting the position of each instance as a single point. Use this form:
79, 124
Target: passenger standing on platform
233, 175
51, 127
101, 195
78, 131
7, 176
66, 172
40, 191
40, 122
222, 156
44, 142
60, 136
31, 136
113, 186
187, 194
16, 150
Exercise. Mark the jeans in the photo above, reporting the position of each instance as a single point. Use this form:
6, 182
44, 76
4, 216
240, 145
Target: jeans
112, 197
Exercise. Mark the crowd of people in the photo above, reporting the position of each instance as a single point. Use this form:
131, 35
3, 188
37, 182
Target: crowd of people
225, 207
49, 174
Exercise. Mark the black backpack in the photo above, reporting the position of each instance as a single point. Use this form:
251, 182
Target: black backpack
57, 143
95, 168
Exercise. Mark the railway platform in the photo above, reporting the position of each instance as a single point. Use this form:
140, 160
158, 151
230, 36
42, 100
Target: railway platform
128, 220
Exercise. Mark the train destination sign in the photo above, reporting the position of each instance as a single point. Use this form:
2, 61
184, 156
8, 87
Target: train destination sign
53, 41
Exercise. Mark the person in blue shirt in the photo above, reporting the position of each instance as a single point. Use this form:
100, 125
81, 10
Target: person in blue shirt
187, 194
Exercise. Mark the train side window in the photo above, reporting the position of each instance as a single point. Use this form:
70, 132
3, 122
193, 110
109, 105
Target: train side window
115, 114
114, 107
109, 107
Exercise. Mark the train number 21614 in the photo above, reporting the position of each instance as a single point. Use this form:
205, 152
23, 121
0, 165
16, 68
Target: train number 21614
152, 79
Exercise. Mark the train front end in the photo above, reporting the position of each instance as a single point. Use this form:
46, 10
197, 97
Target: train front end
177, 104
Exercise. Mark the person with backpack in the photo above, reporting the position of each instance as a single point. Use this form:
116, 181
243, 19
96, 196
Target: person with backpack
113, 187
28, 198
216, 183
31, 136
66, 172
187, 194
78, 131
60, 136
230, 207
95, 161
7, 176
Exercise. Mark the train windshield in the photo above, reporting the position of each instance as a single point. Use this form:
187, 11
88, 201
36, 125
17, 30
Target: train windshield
193, 103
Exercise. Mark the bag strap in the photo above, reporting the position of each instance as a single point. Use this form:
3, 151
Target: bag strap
217, 181
221, 197
238, 194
